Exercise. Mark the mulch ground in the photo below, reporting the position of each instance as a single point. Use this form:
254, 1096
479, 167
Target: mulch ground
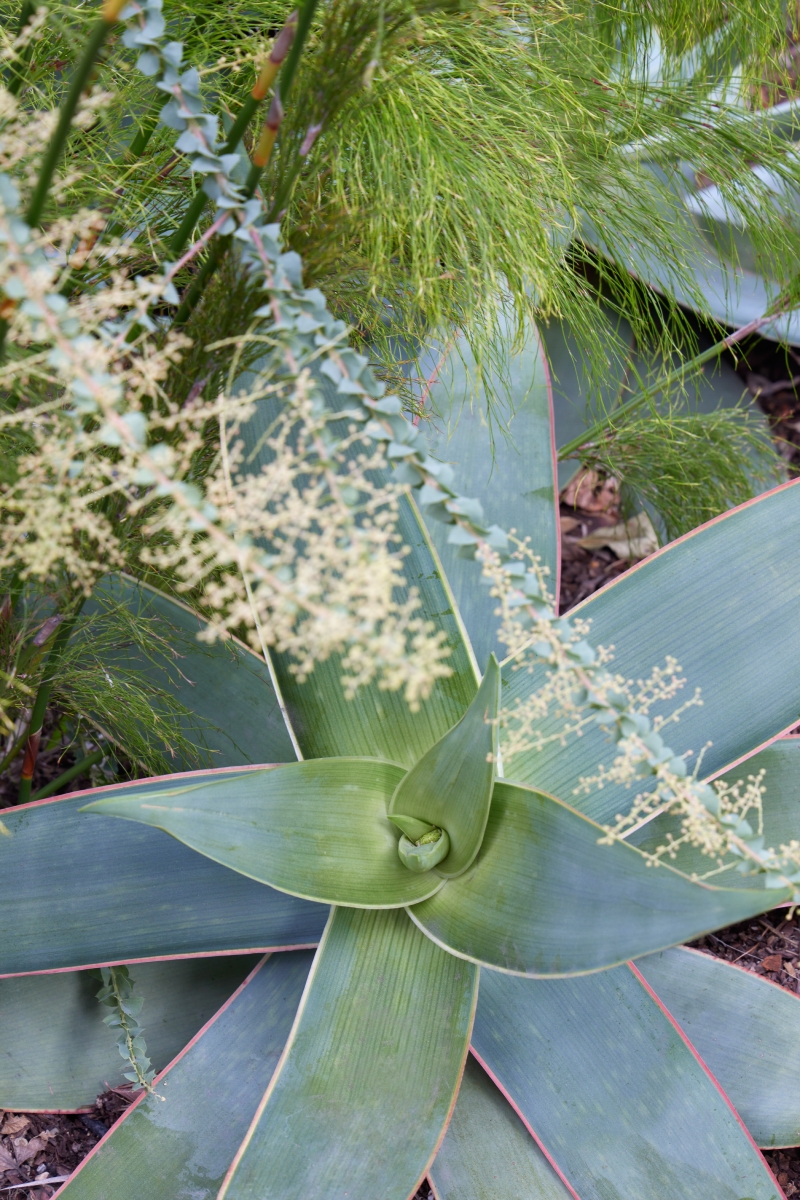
35, 1147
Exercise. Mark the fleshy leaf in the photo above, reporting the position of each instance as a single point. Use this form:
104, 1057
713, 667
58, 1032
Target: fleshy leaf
410, 826
487, 1152
722, 601
747, 1030
451, 785
780, 763
222, 683
316, 829
149, 896
543, 898
179, 1142
370, 1073
376, 723
59, 1055
614, 1094
501, 442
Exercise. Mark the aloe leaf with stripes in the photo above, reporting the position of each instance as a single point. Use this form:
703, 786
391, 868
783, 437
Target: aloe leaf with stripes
405, 852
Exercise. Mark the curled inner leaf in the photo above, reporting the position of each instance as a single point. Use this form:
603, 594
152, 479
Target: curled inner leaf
431, 848
450, 788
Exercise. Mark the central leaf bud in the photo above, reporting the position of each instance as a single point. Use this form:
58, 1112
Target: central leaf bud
426, 852
441, 806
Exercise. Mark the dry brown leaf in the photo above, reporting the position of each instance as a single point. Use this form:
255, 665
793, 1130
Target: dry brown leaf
7, 1161
24, 1149
589, 492
773, 962
635, 538
15, 1123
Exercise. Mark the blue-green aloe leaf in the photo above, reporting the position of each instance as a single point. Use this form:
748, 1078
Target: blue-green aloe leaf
499, 440
780, 763
616, 1097
58, 1054
487, 1152
733, 293
747, 1029
451, 785
544, 899
316, 829
115, 891
225, 685
177, 1144
723, 601
369, 1076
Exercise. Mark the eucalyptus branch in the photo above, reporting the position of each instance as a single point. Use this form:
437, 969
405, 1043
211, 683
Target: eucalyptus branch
295, 37
259, 91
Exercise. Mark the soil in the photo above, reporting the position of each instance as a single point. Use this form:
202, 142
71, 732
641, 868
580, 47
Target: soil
772, 375
41, 1146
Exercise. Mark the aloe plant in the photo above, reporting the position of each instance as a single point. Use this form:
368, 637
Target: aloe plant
406, 900
343, 1070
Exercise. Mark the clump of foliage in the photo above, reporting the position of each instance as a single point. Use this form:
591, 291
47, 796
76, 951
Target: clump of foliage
282, 500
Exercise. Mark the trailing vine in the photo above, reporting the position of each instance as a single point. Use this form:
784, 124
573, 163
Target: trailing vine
117, 994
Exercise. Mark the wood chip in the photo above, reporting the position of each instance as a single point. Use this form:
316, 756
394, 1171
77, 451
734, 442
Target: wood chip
773, 962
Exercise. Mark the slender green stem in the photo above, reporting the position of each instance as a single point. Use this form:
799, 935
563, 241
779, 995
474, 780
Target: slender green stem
70, 774
290, 68
98, 34
13, 752
282, 196
16, 74
145, 131
192, 215
40, 705
194, 293
680, 373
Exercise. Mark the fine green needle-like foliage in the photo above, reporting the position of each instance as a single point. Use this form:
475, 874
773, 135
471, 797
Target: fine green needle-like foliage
688, 467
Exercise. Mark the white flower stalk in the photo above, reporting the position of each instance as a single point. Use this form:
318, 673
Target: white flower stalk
303, 551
